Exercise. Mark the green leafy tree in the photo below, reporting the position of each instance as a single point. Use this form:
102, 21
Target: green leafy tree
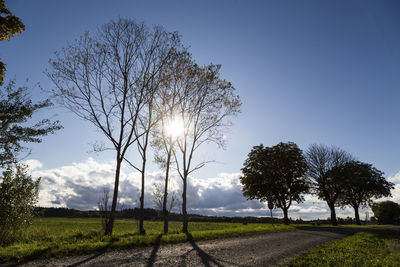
275, 174
9, 26
386, 212
18, 196
16, 109
320, 160
360, 183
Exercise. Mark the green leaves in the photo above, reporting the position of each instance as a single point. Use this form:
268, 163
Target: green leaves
9, 26
360, 183
16, 108
18, 196
275, 174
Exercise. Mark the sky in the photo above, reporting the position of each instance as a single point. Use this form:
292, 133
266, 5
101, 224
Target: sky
306, 71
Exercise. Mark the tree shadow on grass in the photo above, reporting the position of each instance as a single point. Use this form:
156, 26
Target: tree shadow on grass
103, 250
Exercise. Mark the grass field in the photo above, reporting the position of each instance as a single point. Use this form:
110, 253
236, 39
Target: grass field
56, 237
381, 248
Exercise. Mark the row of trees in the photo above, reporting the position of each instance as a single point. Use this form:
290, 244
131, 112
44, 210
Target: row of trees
282, 174
142, 89
18, 191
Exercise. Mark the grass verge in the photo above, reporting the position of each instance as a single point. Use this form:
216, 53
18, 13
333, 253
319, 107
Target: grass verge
378, 248
58, 237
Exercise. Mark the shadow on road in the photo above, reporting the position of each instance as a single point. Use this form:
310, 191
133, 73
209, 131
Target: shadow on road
153, 255
205, 258
86, 260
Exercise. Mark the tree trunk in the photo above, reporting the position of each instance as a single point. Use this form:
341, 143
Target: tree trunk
272, 218
357, 216
333, 214
110, 221
141, 213
165, 210
184, 212
285, 216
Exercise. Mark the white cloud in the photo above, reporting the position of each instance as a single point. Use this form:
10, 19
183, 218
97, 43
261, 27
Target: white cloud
395, 178
33, 164
395, 193
80, 186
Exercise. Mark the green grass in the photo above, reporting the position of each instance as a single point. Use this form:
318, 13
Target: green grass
57, 237
378, 248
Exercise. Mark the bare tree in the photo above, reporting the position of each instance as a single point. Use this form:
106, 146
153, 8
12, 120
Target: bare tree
106, 79
320, 160
104, 207
162, 51
205, 104
159, 197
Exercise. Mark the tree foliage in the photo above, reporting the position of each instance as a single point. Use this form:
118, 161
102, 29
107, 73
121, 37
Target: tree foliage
9, 26
18, 196
320, 160
386, 212
16, 108
275, 174
360, 183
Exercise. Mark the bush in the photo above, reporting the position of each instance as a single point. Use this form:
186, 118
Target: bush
386, 212
18, 196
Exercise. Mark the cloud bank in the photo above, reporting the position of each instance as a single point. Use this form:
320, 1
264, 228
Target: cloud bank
80, 186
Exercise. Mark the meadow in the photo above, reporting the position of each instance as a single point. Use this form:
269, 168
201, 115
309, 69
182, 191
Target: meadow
57, 237
378, 248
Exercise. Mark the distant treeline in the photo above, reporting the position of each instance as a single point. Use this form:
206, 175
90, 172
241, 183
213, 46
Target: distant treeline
155, 215
149, 214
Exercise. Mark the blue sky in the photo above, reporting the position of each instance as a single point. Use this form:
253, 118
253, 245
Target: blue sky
306, 71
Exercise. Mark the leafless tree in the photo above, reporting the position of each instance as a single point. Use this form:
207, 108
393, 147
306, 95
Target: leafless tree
205, 104
159, 197
104, 207
320, 160
106, 78
162, 51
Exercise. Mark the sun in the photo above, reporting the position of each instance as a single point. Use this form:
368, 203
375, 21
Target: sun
174, 127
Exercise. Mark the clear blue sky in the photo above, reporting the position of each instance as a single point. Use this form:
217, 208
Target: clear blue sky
306, 71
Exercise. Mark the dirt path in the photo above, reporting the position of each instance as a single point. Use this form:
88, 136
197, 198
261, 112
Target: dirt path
263, 250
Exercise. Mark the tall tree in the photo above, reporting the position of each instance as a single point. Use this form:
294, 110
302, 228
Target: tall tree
360, 183
275, 174
9, 26
18, 193
168, 131
106, 79
163, 52
320, 160
205, 104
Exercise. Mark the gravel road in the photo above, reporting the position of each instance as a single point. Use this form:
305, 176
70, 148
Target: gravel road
262, 250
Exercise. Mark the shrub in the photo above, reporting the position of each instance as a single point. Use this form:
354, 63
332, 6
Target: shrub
18, 196
386, 212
